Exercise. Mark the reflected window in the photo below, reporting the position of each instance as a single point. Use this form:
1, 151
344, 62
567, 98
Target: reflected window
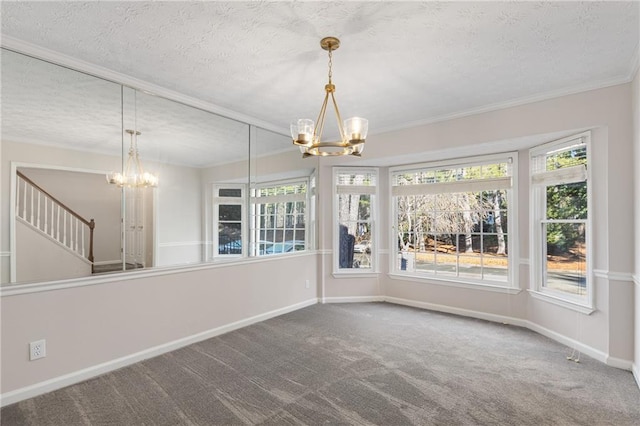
279, 218
560, 188
355, 210
228, 228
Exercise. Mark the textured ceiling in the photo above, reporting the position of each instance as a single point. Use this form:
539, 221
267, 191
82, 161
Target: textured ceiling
400, 63
47, 104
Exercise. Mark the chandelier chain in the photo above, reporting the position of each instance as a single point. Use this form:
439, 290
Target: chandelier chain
330, 65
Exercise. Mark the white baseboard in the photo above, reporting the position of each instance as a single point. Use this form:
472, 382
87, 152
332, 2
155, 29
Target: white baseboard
457, 311
108, 262
353, 299
96, 370
620, 363
573, 344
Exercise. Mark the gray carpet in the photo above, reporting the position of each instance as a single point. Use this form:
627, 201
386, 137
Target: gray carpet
356, 364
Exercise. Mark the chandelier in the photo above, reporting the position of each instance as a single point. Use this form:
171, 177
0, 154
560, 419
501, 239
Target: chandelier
307, 135
134, 175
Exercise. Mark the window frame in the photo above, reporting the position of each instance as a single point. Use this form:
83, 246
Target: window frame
216, 202
360, 272
312, 212
511, 285
537, 214
254, 229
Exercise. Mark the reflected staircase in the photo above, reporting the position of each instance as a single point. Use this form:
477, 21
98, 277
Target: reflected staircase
49, 216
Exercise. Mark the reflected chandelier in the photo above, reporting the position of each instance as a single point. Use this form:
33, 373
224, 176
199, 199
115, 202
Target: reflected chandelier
134, 175
308, 137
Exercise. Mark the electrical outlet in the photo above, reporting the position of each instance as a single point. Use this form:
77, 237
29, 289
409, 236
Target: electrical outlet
306, 284
37, 349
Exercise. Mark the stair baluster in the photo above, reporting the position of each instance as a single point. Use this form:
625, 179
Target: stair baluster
41, 210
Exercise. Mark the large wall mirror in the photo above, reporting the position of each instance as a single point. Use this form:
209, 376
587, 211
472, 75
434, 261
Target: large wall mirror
282, 196
61, 131
71, 143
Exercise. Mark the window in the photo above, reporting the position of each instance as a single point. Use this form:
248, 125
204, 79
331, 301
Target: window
228, 213
279, 218
560, 217
453, 220
354, 237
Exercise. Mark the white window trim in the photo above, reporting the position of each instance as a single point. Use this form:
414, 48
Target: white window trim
228, 200
311, 210
254, 228
364, 189
512, 284
586, 304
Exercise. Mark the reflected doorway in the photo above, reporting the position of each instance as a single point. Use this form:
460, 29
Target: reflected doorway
135, 227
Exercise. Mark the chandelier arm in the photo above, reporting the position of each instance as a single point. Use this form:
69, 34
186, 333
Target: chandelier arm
139, 166
343, 137
317, 132
138, 162
127, 170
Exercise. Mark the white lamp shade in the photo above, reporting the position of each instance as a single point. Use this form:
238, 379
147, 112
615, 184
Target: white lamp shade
356, 128
302, 131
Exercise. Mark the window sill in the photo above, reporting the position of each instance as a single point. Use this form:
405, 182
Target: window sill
560, 301
457, 283
354, 274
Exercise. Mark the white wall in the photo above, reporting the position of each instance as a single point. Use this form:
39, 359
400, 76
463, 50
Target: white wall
5, 249
58, 263
609, 330
89, 325
179, 215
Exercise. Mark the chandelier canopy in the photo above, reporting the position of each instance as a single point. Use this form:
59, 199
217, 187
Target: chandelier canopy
134, 175
307, 135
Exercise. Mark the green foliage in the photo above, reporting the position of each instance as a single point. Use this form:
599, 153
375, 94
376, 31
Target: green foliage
566, 202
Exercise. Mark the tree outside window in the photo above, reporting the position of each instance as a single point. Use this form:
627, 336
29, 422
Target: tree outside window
451, 221
560, 191
355, 202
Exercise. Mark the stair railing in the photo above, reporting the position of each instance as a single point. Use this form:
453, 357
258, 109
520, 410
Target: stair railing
43, 211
